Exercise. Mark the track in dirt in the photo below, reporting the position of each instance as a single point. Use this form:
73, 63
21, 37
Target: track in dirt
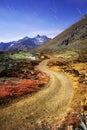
49, 104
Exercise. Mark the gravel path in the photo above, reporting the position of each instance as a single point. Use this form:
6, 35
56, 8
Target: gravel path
49, 104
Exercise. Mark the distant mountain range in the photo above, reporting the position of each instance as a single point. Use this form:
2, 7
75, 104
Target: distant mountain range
24, 44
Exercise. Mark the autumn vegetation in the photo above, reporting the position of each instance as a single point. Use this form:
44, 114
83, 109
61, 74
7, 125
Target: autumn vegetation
19, 78
77, 112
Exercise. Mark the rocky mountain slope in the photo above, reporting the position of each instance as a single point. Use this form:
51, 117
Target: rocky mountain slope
24, 44
73, 41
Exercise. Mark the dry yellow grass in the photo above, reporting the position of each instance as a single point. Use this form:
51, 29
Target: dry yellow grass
49, 104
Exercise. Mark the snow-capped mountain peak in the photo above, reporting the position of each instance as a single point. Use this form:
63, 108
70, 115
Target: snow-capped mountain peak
40, 39
26, 38
26, 42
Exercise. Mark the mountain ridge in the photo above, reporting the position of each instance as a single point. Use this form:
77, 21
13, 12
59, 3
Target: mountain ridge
73, 39
25, 43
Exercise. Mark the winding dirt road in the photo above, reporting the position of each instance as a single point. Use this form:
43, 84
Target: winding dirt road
49, 104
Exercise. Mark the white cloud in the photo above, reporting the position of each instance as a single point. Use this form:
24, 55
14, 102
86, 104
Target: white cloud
79, 11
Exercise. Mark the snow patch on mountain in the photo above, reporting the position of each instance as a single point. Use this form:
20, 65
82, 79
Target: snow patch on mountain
26, 41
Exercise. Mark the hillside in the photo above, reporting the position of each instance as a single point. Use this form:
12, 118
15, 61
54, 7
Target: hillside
73, 41
50, 94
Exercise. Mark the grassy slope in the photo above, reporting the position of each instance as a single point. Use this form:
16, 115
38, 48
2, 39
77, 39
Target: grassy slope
78, 44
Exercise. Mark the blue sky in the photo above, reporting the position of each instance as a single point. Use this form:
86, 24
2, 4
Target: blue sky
20, 18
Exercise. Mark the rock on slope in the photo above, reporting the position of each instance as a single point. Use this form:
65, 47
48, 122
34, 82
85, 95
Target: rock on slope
73, 39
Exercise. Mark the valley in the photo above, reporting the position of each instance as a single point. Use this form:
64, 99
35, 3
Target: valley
45, 88
53, 104
49, 104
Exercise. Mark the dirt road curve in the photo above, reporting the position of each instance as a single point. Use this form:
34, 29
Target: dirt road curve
49, 104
